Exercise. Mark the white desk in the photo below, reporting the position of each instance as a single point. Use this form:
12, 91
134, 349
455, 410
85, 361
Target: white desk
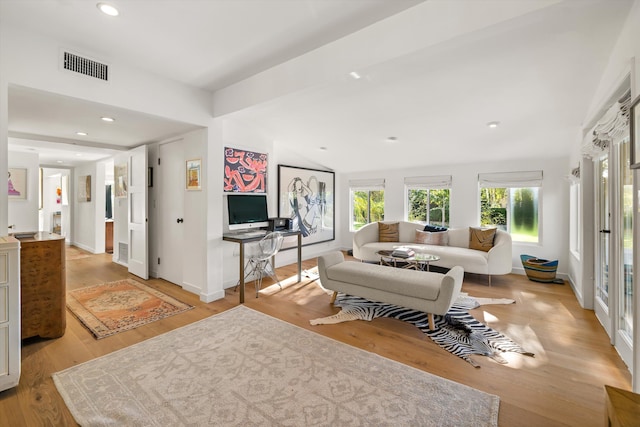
243, 239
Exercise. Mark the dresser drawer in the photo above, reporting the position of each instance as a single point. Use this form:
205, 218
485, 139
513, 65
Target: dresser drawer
4, 304
4, 268
4, 349
4, 287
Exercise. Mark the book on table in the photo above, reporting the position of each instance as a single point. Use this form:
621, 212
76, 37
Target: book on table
403, 253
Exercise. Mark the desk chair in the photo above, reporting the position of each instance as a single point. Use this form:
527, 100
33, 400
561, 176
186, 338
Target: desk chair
259, 262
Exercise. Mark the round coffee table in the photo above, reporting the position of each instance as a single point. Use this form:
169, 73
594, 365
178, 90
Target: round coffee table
419, 261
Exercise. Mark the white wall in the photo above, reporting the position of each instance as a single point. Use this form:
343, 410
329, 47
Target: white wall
238, 134
465, 205
23, 214
212, 181
195, 205
194, 259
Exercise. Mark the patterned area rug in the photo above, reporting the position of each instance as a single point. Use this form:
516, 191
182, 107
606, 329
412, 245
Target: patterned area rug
109, 308
457, 332
244, 368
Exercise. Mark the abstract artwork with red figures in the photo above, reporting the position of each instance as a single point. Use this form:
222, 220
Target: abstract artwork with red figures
244, 171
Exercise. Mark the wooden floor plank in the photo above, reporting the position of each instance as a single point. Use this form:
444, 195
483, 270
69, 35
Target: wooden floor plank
562, 385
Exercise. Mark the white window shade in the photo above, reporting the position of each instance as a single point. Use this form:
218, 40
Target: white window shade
431, 182
366, 184
510, 179
611, 128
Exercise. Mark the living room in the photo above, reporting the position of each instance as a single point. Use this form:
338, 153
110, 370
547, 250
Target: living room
28, 59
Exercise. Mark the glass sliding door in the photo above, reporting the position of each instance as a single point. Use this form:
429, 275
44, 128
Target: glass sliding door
603, 245
614, 249
624, 324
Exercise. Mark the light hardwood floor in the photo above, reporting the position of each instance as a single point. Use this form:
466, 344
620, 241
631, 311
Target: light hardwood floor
561, 385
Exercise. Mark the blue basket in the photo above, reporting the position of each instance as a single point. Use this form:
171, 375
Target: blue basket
540, 270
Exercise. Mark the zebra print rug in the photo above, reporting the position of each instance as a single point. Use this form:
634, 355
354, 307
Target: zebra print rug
457, 332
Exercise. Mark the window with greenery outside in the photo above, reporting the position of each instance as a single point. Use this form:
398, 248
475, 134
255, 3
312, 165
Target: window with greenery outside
368, 206
429, 206
514, 210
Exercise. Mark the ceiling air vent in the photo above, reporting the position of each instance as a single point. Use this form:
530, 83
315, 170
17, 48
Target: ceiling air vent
85, 66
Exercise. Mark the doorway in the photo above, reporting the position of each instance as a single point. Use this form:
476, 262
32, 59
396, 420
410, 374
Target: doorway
54, 204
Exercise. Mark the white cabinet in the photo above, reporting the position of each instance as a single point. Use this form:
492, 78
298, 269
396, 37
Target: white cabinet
9, 312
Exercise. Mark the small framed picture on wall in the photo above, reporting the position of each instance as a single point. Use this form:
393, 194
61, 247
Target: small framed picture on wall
194, 170
120, 174
84, 188
17, 184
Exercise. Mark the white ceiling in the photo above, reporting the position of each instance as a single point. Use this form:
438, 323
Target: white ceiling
433, 74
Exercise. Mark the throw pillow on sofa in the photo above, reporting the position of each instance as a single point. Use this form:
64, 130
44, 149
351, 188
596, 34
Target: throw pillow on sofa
440, 238
481, 238
388, 232
434, 228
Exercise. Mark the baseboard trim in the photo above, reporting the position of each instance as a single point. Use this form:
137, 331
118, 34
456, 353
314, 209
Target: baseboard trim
212, 296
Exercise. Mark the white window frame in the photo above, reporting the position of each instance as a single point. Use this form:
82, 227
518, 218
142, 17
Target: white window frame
575, 219
375, 184
436, 182
523, 179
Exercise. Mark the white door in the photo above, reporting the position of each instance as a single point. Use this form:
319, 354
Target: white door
172, 177
137, 212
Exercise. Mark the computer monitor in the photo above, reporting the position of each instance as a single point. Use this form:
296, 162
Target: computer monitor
247, 211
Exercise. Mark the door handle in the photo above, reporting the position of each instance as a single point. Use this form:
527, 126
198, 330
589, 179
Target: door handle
605, 231
180, 220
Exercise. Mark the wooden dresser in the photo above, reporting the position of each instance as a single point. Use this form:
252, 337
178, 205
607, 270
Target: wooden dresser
43, 285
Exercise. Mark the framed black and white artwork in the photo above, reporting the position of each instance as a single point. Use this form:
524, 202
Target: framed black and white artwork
306, 197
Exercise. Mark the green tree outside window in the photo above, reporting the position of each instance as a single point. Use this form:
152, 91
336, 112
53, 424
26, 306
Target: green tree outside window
368, 206
429, 206
514, 210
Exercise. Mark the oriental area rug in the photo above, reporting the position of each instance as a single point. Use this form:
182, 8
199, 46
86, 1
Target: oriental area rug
244, 368
113, 307
457, 332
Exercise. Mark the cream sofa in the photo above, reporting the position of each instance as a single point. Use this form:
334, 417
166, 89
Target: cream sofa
498, 260
429, 292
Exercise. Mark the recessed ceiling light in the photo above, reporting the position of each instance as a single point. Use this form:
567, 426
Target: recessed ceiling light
108, 9
79, 154
82, 133
108, 119
493, 125
392, 139
323, 148
355, 75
